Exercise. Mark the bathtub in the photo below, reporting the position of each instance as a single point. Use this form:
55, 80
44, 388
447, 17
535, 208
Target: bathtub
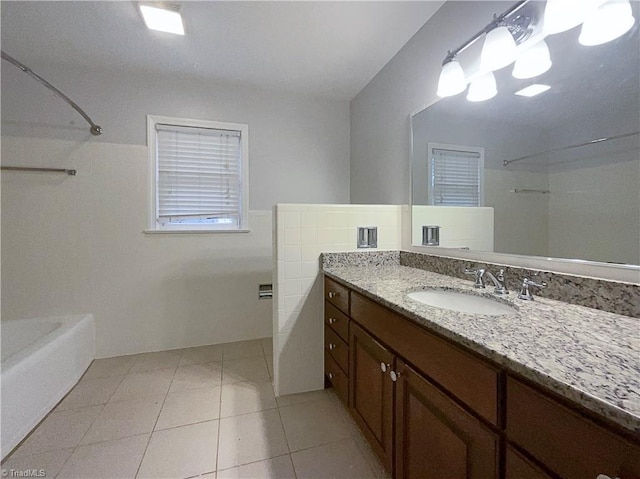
41, 360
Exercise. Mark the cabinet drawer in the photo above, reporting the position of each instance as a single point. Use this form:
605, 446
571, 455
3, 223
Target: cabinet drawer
520, 468
569, 444
336, 294
469, 379
337, 348
337, 320
337, 377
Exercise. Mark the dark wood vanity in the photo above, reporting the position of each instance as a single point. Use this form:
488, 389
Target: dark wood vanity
432, 409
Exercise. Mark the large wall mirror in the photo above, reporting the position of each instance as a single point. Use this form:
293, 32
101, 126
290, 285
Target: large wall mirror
556, 188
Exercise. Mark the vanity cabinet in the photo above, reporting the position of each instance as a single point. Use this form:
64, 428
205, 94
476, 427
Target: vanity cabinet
372, 391
432, 409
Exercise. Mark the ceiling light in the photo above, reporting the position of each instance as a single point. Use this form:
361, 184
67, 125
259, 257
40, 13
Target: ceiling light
482, 88
533, 90
452, 80
163, 19
499, 49
606, 23
533, 62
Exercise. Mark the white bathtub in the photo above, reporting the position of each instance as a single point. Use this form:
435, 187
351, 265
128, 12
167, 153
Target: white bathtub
42, 359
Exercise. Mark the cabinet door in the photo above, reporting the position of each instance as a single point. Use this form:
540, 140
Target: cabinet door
520, 468
436, 438
372, 391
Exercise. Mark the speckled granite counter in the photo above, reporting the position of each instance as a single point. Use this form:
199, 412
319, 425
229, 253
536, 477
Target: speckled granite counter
589, 356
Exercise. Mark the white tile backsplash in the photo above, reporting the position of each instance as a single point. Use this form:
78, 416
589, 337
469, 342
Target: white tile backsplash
302, 233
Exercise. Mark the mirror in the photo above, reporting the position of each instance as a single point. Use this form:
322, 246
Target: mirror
552, 198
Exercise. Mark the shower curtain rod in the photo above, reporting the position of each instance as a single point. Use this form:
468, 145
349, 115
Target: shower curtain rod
570, 147
95, 129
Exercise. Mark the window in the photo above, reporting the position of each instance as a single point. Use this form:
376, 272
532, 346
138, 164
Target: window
455, 175
198, 175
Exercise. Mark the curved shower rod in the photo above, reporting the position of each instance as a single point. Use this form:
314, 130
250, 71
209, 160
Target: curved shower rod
95, 129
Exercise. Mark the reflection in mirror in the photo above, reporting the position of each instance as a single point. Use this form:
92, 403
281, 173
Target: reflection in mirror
542, 194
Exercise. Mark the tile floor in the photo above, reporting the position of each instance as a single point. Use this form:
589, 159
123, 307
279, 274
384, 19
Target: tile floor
201, 412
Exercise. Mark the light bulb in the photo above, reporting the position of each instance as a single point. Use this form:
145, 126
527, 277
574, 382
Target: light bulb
533, 62
452, 80
608, 22
499, 49
482, 88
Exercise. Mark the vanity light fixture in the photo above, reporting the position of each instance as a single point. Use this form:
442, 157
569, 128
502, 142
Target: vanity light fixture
533, 62
563, 15
452, 80
162, 17
609, 21
533, 90
483, 88
499, 49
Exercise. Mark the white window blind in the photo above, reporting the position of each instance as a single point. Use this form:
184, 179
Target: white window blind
199, 176
456, 177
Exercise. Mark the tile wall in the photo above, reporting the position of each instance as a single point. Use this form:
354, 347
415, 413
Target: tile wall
301, 232
460, 227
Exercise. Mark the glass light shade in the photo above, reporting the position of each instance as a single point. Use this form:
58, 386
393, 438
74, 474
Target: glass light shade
499, 49
533, 62
608, 22
563, 15
482, 88
452, 80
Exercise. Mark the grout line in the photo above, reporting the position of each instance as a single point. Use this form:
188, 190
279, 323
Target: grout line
157, 417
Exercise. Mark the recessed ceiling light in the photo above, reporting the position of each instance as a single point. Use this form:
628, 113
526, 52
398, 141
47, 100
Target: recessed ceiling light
533, 90
162, 19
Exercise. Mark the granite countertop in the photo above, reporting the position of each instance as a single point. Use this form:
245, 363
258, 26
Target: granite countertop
586, 355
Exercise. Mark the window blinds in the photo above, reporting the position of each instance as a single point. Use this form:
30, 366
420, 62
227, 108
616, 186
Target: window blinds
199, 177
455, 177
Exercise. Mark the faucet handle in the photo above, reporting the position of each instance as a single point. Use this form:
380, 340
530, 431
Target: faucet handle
524, 291
478, 273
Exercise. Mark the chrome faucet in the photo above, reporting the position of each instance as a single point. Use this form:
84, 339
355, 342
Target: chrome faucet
498, 282
525, 292
478, 274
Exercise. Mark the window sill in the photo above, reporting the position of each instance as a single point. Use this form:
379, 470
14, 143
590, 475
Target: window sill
191, 232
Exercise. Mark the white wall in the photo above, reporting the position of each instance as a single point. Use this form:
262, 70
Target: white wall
301, 233
76, 244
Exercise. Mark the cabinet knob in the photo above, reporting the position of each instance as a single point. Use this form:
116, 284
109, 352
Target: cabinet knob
332, 320
394, 376
604, 476
332, 294
332, 346
331, 375
383, 367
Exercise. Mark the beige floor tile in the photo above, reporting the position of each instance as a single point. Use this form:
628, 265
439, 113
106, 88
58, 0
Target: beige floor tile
276, 468
243, 349
250, 438
181, 452
104, 368
90, 392
106, 460
49, 462
205, 375
376, 466
125, 418
291, 399
201, 354
242, 398
156, 360
144, 384
338, 460
246, 369
313, 423
189, 407
60, 430
267, 346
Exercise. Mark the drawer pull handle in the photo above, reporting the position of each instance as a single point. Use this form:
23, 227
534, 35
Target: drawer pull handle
332, 320
394, 376
331, 375
332, 346
332, 294
604, 476
383, 367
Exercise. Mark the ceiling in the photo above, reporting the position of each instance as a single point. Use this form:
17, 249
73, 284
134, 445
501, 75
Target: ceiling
328, 49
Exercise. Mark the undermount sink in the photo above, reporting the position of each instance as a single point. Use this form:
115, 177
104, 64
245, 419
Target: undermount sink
462, 302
